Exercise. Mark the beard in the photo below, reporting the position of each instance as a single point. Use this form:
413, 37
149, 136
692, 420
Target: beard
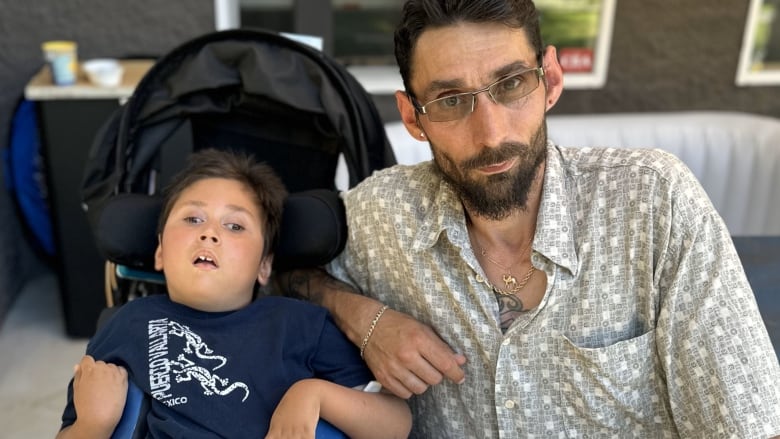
495, 196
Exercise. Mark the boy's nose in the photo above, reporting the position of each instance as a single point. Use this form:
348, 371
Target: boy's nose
213, 238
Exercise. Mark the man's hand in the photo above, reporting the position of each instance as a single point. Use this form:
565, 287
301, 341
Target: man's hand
407, 356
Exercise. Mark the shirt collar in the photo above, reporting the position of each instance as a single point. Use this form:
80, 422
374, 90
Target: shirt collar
554, 229
445, 216
555, 222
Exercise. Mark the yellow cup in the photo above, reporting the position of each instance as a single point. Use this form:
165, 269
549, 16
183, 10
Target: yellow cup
62, 60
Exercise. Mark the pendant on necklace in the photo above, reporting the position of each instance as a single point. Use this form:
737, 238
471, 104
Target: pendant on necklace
510, 282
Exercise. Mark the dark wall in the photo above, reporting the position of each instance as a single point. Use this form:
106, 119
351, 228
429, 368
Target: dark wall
102, 28
112, 28
675, 55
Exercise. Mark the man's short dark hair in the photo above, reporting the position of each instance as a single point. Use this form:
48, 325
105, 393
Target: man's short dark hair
420, 15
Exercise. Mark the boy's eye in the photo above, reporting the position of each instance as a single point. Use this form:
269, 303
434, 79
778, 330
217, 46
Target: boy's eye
193, 220
234, 227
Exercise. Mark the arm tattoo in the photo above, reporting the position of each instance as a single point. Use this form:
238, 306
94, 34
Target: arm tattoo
297, 284
309, 284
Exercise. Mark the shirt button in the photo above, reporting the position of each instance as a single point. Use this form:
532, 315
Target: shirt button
509, 404
479, 278
506, 341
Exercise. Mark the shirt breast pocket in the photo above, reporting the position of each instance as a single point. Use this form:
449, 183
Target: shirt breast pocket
615, 389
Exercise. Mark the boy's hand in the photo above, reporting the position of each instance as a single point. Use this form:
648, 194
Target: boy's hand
99, 394
298, 412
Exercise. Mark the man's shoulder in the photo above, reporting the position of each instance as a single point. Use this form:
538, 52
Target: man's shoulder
422, 171
616, 157
616, 161
402, 181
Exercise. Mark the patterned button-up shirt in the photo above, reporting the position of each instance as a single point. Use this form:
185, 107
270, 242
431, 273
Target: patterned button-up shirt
648, 326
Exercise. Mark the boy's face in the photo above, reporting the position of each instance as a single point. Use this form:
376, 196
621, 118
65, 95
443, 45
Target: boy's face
211, 246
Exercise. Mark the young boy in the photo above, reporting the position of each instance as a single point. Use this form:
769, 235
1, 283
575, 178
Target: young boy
215, 361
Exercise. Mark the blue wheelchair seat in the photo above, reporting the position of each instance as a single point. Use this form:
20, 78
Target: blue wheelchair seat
132, 425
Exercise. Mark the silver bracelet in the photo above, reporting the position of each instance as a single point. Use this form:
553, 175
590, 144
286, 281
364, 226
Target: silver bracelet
371, 329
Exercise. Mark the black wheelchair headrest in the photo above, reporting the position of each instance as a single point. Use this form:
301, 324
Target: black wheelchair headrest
313, 230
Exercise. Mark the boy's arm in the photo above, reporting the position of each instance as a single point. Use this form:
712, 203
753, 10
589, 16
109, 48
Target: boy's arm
99, 392
358, 414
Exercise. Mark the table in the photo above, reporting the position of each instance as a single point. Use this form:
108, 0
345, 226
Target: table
69, 117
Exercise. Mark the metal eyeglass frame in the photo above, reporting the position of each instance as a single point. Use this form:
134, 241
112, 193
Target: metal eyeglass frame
490, 89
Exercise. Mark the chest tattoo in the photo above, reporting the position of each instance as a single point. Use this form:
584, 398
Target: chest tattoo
509, 308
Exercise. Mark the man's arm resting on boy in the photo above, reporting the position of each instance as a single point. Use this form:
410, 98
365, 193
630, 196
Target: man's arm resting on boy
356, 413
404, 355
99, 392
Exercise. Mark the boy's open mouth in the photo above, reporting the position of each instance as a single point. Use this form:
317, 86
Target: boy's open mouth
203, 260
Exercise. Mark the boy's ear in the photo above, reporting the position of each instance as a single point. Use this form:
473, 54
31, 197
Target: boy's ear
158, 263
264, 270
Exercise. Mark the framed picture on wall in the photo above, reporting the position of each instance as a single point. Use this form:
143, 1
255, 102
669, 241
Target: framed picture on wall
759, 59
581, 30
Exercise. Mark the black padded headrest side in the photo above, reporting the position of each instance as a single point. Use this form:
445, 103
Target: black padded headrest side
313, 230
126, 231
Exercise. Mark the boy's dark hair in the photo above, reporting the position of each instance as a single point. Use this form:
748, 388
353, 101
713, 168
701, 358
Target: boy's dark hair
268, 189
420, 15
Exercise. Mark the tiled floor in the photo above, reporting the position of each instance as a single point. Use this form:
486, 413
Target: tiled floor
36, 362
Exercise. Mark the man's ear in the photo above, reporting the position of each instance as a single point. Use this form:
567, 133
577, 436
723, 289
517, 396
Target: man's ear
409, 115
264, 270
158, 263
553, 77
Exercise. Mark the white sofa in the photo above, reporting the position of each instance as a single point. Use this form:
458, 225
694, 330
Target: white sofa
735, 156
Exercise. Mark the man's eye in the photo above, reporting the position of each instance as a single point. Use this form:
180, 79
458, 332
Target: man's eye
510, 84
451, 101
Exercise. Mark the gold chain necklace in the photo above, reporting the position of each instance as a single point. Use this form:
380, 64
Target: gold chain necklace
511, 284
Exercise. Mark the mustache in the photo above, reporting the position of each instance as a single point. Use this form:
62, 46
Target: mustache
491, 156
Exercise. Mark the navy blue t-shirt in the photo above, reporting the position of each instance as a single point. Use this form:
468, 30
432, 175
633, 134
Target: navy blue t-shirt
222, 374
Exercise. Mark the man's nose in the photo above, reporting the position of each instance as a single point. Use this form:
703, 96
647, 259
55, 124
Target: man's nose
488, 121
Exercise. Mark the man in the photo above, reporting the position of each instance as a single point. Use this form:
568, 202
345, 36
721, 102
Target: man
534, 290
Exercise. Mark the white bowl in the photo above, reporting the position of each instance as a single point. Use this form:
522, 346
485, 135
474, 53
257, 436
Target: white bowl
103, 72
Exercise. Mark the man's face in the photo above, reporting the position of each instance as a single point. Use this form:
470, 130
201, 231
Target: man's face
492, 155
211, 246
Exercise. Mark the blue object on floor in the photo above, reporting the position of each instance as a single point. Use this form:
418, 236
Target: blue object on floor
25, 176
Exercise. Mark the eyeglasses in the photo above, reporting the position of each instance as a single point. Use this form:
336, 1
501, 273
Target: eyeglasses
505, 91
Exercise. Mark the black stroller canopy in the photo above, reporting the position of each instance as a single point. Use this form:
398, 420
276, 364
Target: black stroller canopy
284, 102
